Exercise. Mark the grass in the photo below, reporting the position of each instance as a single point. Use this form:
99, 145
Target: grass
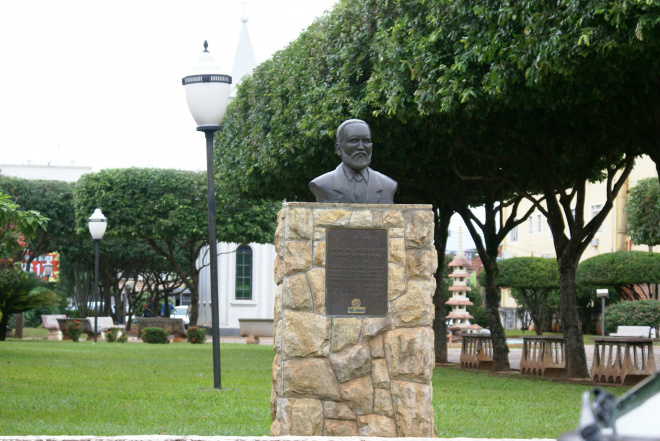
33, 333
66, 388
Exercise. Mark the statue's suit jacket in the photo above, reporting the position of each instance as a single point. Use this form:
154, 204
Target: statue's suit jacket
334, 187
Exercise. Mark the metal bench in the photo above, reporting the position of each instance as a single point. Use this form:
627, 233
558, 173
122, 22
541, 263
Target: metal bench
543, 355
622, 360
476, 351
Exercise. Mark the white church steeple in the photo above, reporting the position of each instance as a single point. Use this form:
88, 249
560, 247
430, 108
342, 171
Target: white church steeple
244, 60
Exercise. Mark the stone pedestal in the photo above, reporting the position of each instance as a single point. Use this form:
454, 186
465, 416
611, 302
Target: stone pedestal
354, 374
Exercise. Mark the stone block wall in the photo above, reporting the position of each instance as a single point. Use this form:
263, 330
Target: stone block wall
353, 376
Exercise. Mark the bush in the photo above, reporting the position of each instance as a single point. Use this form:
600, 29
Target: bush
479, 317
196, 335
111, 335
11, 324
122, 339
73, 330
632, 313
155, 335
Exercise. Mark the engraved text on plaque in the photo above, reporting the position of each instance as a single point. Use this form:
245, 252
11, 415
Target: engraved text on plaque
356, 272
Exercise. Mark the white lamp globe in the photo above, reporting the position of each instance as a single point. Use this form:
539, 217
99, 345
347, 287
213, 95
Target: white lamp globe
207, 91
97, 224
48, 269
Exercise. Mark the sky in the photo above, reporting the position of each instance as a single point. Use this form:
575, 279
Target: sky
98, 83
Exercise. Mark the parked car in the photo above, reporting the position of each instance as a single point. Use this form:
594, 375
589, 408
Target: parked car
181, 312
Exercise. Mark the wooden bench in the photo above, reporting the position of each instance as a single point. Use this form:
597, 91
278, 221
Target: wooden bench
50, 322
622, 360
172, 326
476, 351
632, 331
543, 355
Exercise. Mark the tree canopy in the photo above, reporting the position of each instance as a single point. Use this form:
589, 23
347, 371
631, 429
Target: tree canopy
643, 209
630, 273
166, 210
52, 199
529, 99
534, 283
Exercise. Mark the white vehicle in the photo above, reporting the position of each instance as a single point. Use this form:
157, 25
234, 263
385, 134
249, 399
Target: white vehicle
181, 312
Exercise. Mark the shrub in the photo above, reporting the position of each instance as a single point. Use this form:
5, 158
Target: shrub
479, 317
633, 313
196, 335
122, 339
111, 335
73, 330
155, 335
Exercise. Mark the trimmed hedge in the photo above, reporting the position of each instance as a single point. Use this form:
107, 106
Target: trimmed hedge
155, 335
633, 313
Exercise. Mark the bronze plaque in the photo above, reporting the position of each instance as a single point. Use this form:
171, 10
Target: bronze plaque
356, 272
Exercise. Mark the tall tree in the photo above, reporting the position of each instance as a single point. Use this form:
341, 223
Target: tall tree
166, 210
279, 132
53, 199
534, 283
643, 208
17, 288
512, 67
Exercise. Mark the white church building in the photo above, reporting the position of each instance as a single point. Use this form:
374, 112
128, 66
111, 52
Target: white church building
246, 288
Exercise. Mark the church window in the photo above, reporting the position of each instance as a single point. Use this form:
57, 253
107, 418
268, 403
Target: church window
244, 273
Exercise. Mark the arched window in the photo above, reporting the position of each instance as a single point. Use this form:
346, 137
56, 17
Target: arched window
244, 273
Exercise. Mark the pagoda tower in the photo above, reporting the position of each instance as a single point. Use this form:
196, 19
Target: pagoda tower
459, 289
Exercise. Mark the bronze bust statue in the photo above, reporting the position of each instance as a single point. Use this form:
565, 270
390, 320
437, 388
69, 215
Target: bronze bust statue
353, 181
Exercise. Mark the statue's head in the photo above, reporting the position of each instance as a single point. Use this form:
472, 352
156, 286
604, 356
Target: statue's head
354, 143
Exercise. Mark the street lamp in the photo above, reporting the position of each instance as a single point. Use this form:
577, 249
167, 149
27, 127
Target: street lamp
97, 224
48, 270
603, 294
207, 93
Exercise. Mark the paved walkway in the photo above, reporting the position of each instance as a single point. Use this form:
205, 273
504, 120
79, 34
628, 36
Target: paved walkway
454, 353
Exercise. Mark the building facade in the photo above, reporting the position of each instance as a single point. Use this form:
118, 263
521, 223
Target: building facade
246, 288
534, 238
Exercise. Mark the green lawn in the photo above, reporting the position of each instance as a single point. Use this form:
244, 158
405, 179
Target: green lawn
66, 388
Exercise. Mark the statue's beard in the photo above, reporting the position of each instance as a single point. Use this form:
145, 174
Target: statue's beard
357, 161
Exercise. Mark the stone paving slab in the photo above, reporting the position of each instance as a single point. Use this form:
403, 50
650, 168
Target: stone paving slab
242, 438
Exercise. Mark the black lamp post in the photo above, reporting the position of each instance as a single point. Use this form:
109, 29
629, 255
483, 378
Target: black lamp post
97, 224
207, 93
603, 294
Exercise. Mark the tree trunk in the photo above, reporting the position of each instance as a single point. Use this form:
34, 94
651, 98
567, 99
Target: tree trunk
3, 326
20, 323
500, 348
576, 358
439, 323
194, 305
